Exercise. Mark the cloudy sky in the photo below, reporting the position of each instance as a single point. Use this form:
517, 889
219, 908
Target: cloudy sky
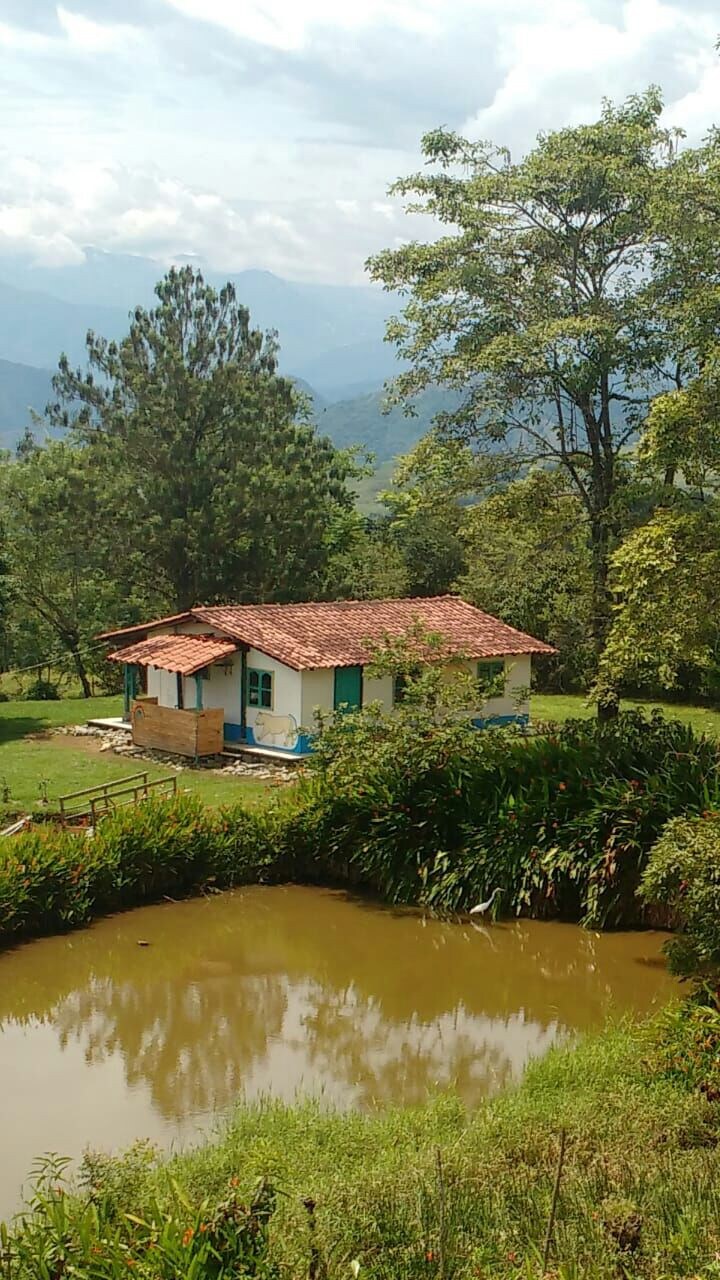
264, 133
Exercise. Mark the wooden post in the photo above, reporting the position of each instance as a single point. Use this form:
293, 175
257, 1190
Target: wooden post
179, 686
243, 695
198, 691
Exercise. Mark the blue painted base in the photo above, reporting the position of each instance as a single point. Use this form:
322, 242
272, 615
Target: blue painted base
234, 733
497, 722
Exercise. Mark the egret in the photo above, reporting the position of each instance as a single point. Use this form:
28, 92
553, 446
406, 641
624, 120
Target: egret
482, 908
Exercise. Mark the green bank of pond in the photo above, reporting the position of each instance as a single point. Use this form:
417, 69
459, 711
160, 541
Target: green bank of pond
286, 992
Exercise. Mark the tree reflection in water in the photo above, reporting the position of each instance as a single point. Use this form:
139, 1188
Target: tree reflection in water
284, 990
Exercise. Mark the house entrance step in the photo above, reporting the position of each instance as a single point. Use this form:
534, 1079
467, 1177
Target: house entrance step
111, 722
234, 751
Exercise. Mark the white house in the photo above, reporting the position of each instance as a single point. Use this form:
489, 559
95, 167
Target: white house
256, 673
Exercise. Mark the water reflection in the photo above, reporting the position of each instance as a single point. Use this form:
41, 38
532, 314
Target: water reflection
284, 990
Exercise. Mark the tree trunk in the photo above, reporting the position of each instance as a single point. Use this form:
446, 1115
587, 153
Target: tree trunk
608, 704
82, 675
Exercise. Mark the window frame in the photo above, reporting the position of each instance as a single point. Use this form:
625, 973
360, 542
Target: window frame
490, 669
261, 673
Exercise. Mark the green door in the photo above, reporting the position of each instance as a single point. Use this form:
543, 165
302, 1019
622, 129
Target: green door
348, 688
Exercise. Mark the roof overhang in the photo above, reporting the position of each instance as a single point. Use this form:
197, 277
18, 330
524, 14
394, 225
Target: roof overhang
183, 654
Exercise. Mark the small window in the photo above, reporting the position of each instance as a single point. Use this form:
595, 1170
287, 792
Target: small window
493, 669
260, 690
399, 689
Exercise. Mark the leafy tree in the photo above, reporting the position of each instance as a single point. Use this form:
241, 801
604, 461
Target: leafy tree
58, 552
431, 487
220, 487
666, 576
528, 561
540, 302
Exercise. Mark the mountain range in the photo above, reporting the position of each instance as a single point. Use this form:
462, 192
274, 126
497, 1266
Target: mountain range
331, 340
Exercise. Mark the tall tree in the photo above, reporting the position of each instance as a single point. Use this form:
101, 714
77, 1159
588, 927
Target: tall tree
59, 567
538, 303
528, 561
222, 489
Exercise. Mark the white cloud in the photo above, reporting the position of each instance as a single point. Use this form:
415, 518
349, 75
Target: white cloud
288, 24
560, 61
50, 214
266, 132
95, 37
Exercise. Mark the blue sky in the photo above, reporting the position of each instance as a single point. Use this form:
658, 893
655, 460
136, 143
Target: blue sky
264, 133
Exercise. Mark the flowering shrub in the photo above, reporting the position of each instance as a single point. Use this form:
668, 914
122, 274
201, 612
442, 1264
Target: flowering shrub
440, 814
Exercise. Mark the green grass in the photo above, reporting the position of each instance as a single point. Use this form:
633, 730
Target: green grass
567, 706
61, 764
432, 1191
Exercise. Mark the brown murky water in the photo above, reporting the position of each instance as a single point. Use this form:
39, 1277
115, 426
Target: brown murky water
284, 991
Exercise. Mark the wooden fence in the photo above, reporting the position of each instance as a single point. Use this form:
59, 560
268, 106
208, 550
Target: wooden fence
93, 802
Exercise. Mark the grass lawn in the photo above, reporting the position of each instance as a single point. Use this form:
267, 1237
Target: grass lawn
567, 706
29, 760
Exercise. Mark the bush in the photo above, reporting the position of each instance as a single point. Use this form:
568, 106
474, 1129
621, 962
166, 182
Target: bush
437, 813
42, 691
428, 812
53, 879
683, 873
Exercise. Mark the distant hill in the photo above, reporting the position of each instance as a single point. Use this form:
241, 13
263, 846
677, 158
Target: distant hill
330, 335
361, 420
22, 388
35, 328
358, 420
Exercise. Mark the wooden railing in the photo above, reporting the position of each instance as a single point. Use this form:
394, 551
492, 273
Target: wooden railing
93, 802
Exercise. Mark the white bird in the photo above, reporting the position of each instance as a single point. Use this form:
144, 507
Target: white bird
482, 908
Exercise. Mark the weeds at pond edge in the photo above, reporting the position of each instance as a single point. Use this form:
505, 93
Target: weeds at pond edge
637, 1193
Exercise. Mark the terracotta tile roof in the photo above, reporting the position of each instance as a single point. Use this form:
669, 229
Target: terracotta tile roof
307, 636
185, 654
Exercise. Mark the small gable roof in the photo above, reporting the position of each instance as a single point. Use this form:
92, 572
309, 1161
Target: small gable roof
184, 654
335, 634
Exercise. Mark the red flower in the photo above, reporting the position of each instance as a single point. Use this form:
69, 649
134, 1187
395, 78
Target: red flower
562, 786
429, 1256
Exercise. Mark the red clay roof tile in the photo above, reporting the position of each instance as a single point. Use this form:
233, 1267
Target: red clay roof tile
184, 654
307, 636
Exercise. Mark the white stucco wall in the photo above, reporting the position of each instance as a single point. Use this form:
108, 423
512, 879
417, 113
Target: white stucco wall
286, 689
318, 690
221, 689
517, 676
378, 690
163, 686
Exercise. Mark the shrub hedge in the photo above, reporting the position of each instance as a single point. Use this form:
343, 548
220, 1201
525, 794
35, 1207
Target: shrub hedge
430, 813
51, 879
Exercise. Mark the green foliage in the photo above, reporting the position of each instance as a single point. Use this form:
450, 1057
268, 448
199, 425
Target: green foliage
683, 874
220, 487
62, 569
541, 305
666, 578
202, 1241
686, 1045
528, 558
423, 809
425, 1192
41, 691
52, 879
419, 807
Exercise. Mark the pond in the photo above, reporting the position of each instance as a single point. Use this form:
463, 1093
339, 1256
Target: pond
284, 991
